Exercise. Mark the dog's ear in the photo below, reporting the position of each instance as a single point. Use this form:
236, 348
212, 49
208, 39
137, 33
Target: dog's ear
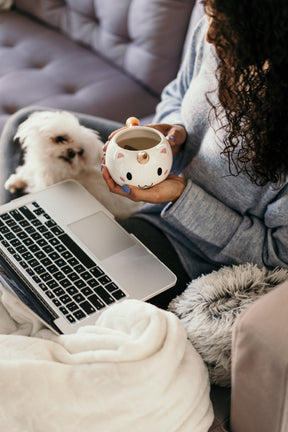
25, 129
17, 141
20, 137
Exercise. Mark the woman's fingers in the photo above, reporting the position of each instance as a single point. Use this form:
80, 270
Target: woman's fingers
168, 190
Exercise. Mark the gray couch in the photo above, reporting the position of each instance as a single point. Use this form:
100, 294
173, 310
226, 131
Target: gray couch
109, 58
112, 58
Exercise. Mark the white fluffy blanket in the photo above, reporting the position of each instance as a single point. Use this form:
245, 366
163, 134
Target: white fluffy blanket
134, 370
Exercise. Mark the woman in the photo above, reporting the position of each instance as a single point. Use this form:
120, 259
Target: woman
226, 113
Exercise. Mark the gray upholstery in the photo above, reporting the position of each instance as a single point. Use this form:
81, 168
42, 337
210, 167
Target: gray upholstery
108, 58
142, 37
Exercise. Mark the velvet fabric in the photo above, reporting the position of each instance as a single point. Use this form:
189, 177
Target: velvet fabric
110, 59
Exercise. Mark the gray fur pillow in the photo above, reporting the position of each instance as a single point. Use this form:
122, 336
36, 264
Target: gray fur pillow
209, 306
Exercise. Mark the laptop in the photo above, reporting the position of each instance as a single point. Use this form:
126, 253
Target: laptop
66, 257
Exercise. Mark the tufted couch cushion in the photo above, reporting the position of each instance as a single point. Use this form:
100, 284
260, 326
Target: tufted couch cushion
142, 37
108, 58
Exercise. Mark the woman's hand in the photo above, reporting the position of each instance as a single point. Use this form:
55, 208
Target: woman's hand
176, 135
168, 190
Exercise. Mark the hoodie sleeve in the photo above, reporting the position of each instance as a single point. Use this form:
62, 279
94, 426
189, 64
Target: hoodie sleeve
224, 235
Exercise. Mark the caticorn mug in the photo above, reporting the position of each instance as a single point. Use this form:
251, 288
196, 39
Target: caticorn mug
139, 156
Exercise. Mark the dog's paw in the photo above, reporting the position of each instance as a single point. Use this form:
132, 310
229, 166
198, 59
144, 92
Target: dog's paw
15, 183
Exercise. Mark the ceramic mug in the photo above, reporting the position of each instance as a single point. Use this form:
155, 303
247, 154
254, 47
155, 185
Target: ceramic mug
139, 156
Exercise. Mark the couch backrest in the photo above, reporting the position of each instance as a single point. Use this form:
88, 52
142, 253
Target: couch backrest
143, 37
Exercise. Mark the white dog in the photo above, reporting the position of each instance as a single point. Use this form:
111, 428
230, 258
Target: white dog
56, 147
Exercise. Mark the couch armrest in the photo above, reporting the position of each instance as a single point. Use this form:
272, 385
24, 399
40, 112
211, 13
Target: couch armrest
260, 365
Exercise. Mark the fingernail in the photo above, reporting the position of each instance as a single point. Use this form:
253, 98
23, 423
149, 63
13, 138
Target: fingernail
126, 189
171, 138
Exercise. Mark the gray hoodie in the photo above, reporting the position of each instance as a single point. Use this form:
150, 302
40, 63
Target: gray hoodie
219, 219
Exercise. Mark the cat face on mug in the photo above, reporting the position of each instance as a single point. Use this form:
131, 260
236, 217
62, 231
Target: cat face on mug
142, 168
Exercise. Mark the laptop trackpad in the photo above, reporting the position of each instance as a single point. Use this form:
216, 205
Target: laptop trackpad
102, 235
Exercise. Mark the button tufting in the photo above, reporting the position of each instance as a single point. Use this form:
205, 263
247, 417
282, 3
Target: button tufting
69, 89
39, 65
8, 44
10, 109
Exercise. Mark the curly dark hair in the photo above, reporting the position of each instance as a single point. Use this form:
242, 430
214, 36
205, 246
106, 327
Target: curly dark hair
250, 38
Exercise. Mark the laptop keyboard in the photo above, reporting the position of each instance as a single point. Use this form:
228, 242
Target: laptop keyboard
76, 285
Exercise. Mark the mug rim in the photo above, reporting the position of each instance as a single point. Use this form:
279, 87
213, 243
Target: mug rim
133, 131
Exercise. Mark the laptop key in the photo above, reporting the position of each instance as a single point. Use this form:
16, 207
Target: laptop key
16, 229
73, 276
97, 272
104, 295
52, 284
56, 302
79, 283
4, 230
57, 230
10, 222
66, 269
86, 291
111, 287
39, 254
95, 300
58, 291
93, 283
39, 269
79, 314
104, 279
43, 286
46, 277
5, 216
77, 251
72, 306
9, 236
65, 298
72, 290
16, 215
53, 269
30, 272
65, 283
87, 307
27, 213
33, 263
58, 275
78, 298
118, 294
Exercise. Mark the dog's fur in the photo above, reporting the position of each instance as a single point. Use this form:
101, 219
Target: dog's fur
56, 148
210, 305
